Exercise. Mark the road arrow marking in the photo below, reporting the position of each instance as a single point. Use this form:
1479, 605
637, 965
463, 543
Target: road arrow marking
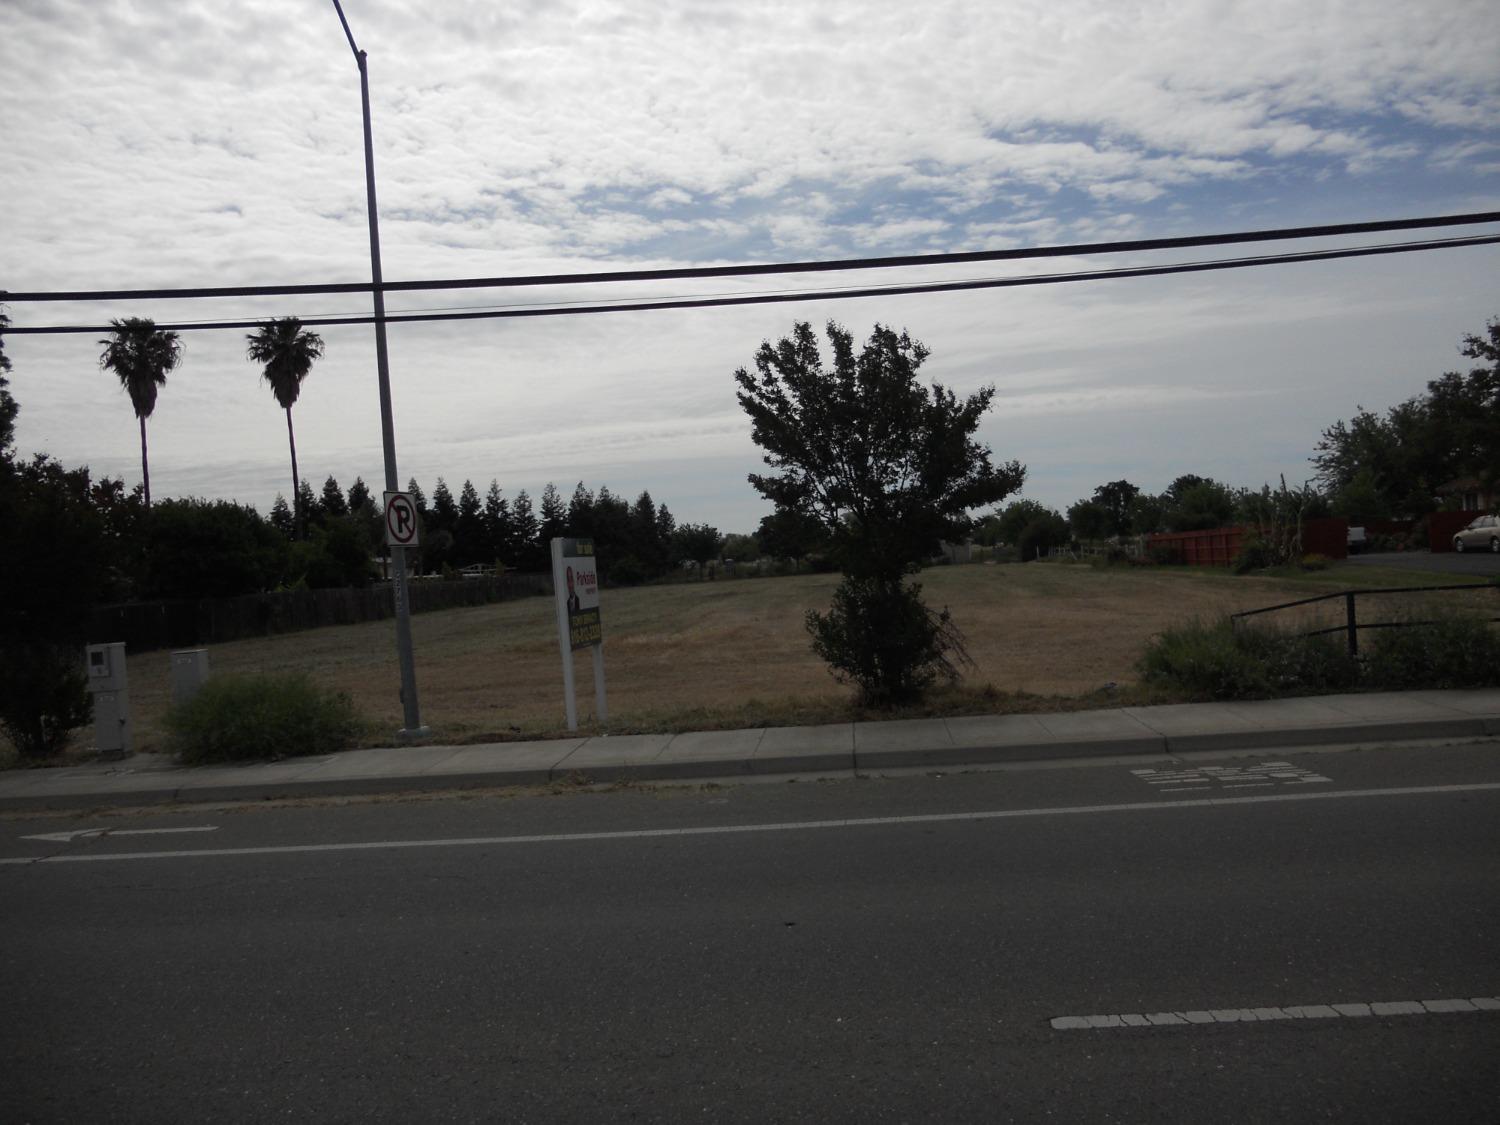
81, 833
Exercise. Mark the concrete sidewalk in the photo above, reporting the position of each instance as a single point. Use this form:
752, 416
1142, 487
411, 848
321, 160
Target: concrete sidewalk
1271, 725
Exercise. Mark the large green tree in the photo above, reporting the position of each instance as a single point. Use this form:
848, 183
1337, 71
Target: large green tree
287, 352
141, 355
8, 408
892, 468
1398, 460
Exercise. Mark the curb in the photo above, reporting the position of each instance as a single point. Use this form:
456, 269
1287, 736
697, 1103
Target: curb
850, 762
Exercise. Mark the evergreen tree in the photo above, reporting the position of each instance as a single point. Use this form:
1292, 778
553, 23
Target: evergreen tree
334, 504
498, 533
530, 554
469, 531
444, 510
281, 517
666, 527
359, 495
418, 497
581, 513
554, 516
308, 507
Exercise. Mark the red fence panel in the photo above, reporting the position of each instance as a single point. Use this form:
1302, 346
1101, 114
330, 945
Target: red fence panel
1328, 537
1442, 526
1219, 546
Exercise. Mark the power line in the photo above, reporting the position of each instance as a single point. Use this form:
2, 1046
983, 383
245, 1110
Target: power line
827, 294
900, 261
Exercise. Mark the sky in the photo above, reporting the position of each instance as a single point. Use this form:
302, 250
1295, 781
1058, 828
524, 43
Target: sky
166, 144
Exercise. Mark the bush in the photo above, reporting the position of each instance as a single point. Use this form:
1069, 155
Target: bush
270, 716
1452, 652
43, 696
1217, 661
1314, 561
885, 639
1253, 554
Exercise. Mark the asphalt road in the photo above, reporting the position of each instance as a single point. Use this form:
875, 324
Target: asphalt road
1479, 564
883, 950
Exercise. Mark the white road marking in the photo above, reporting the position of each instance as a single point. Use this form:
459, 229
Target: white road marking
1229, 777
791, 826
81, 833
1271, 1015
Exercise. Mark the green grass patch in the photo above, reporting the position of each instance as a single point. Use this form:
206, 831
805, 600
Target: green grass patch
1216, 661
235, 718
1449, 652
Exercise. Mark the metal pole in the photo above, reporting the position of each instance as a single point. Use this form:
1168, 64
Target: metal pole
1350, 624
411, 712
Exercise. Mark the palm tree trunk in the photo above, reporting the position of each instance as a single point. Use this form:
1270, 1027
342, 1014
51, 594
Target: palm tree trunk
145, 472
296, 493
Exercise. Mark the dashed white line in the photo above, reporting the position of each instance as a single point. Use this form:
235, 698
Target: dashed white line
1343, 1010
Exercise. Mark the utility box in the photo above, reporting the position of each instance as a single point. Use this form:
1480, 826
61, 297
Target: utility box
110, 687
189, 673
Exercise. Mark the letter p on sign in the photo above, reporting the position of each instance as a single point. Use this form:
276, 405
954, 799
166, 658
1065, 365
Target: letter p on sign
400, 520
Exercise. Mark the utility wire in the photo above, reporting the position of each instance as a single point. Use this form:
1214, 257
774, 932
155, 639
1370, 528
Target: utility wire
901, 261
827, 294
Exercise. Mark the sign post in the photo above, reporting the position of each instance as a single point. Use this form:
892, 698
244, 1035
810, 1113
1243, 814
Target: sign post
575, 582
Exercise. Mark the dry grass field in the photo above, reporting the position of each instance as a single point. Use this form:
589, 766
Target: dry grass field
734, 653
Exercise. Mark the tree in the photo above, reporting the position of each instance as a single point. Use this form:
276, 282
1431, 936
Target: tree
307, 506
359, 496
1200, 505
418, 497
581, 513
1015, 517
333, 503
892, 469
281, 517
469, 529
699, 542
444, 510
554, 516
498, 533
1088, 519
1401, 458
530, 554
211, 549
1116, 498
791, 533
286, 352
141, 354
63, 572
8, 407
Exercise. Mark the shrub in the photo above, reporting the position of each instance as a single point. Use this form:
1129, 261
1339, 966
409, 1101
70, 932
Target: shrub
43, 696
264, 716
1217, 661
884, 639
1253, 554
1452, 652
1314, 561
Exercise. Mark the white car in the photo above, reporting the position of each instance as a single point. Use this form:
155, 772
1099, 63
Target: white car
1482, 534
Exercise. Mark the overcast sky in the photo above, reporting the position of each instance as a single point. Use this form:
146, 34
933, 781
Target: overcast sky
168, 143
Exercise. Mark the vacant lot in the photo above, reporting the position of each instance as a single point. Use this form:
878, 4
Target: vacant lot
734, 653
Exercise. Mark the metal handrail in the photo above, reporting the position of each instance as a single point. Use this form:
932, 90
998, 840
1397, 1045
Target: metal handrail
1351, 626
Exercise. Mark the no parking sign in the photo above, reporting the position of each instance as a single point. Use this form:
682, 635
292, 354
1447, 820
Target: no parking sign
400, 520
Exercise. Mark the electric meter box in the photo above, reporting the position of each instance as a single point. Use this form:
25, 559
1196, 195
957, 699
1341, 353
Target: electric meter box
110, 687
106, 667
189, 673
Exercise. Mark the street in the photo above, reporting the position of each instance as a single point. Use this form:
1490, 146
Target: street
904, 948
1469, 564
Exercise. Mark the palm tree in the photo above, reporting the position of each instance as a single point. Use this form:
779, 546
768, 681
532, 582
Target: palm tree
141, 354
288, 352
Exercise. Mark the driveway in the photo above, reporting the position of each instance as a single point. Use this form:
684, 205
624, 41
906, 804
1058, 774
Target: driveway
1478, 564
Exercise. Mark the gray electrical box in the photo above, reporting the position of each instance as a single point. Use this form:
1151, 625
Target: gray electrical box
110, 688
189, 673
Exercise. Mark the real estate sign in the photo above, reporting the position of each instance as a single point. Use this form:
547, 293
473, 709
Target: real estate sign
575, 582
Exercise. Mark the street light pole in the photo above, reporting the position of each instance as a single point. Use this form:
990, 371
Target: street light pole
411, 712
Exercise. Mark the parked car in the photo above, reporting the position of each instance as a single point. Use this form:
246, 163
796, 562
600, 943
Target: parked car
1483, 534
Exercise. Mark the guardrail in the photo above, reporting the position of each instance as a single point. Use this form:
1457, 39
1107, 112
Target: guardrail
1352, 625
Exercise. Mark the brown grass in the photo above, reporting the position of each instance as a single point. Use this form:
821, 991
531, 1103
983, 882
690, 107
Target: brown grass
734, 653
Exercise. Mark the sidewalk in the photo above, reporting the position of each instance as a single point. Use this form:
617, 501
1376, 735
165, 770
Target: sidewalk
843, 748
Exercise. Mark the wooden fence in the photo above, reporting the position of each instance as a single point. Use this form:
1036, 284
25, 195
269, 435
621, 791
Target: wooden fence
145, 626
1219, 546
